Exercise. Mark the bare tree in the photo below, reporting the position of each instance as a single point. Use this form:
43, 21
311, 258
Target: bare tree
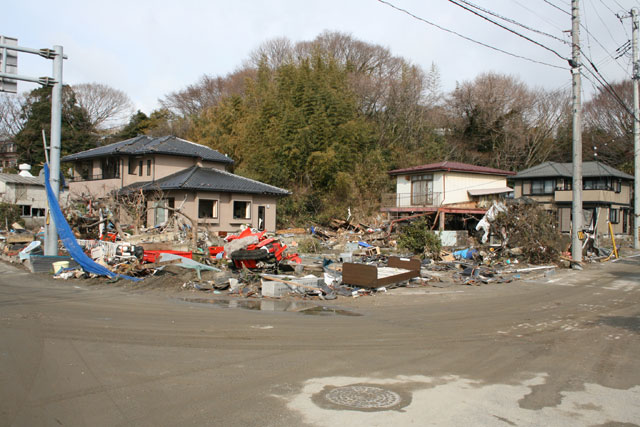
609, 125
105, 105
11, 117
498, 120
275, 52
206, 93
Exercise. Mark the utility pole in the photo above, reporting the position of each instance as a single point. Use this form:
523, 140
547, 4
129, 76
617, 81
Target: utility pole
636, 132
576, 204
51, 232
8, 77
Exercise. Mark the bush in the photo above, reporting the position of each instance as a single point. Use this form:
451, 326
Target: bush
417, 238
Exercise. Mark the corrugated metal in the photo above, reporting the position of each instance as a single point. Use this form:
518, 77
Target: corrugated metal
19, 179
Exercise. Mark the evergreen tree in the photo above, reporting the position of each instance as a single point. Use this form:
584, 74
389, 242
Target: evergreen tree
77, 131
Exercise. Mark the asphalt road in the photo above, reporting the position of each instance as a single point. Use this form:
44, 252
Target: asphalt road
559, 351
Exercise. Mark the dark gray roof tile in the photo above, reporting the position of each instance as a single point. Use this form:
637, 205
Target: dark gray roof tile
142, 145
206, 179
554, 169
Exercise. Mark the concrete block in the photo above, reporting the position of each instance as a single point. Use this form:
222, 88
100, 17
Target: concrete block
274, 289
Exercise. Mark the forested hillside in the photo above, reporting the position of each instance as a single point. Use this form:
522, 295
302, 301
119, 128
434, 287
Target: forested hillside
328, 118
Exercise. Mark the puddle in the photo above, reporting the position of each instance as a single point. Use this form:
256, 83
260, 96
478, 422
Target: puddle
327, 311
274, 305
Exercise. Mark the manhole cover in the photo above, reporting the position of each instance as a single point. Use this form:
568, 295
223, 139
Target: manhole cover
363, 397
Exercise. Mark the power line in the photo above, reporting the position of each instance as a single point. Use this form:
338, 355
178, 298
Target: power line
468, 38
601, 20
559, 8
513, 21
508, 29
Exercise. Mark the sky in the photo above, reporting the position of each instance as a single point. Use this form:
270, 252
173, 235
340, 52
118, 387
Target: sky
151, 48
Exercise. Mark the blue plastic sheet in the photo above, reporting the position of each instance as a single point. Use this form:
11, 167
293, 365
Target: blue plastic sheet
69, 240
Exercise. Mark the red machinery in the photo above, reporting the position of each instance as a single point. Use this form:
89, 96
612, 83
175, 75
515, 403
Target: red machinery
267, 250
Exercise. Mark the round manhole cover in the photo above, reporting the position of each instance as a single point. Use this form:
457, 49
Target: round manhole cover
363, 397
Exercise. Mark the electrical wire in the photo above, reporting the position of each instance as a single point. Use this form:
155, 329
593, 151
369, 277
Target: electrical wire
468, 38
559, 8
602, 21
508, 29
513, 21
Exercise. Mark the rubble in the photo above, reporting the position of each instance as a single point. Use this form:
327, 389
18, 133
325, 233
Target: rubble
343, 259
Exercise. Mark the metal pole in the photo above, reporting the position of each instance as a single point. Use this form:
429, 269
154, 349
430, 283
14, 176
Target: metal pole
576, 204
636, 132
51, 237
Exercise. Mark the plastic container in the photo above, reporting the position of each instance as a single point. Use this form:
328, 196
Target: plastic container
59, 265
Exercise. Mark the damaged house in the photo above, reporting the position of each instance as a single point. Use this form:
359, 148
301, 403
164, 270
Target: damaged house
456, 192
606, 195
175, 173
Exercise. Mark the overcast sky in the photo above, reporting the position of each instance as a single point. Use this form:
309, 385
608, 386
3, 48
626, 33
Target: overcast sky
150, 48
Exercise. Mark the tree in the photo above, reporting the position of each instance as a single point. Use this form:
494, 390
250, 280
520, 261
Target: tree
609, 126
11, 120
77, 132
105, 106
498, 121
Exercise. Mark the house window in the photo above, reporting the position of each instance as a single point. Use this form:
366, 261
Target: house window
149, 167
542, 186
421, 189
25, 210
110, 168
208, 208
140, 168
563, 184
132, 166
618, 186
241, 210
600, 183
37, 212
614, 215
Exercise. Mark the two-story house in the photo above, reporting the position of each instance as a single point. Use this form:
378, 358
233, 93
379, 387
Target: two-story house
445, 187
606, 194
185, 174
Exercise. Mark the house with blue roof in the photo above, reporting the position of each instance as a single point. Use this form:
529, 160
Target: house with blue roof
173, 173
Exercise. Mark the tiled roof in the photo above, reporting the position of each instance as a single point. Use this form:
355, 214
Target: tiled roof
142, 145
553, 169
206, 179
452, 167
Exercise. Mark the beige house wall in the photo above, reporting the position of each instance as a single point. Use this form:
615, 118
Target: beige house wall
225, 201
161, 166
620, 201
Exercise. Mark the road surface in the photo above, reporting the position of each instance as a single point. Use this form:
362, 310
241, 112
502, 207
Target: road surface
562, 350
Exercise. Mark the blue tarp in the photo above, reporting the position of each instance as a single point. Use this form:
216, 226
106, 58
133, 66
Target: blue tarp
69, 240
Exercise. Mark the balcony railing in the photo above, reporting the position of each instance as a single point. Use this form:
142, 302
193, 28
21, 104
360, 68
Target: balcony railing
98, 177
409, 200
